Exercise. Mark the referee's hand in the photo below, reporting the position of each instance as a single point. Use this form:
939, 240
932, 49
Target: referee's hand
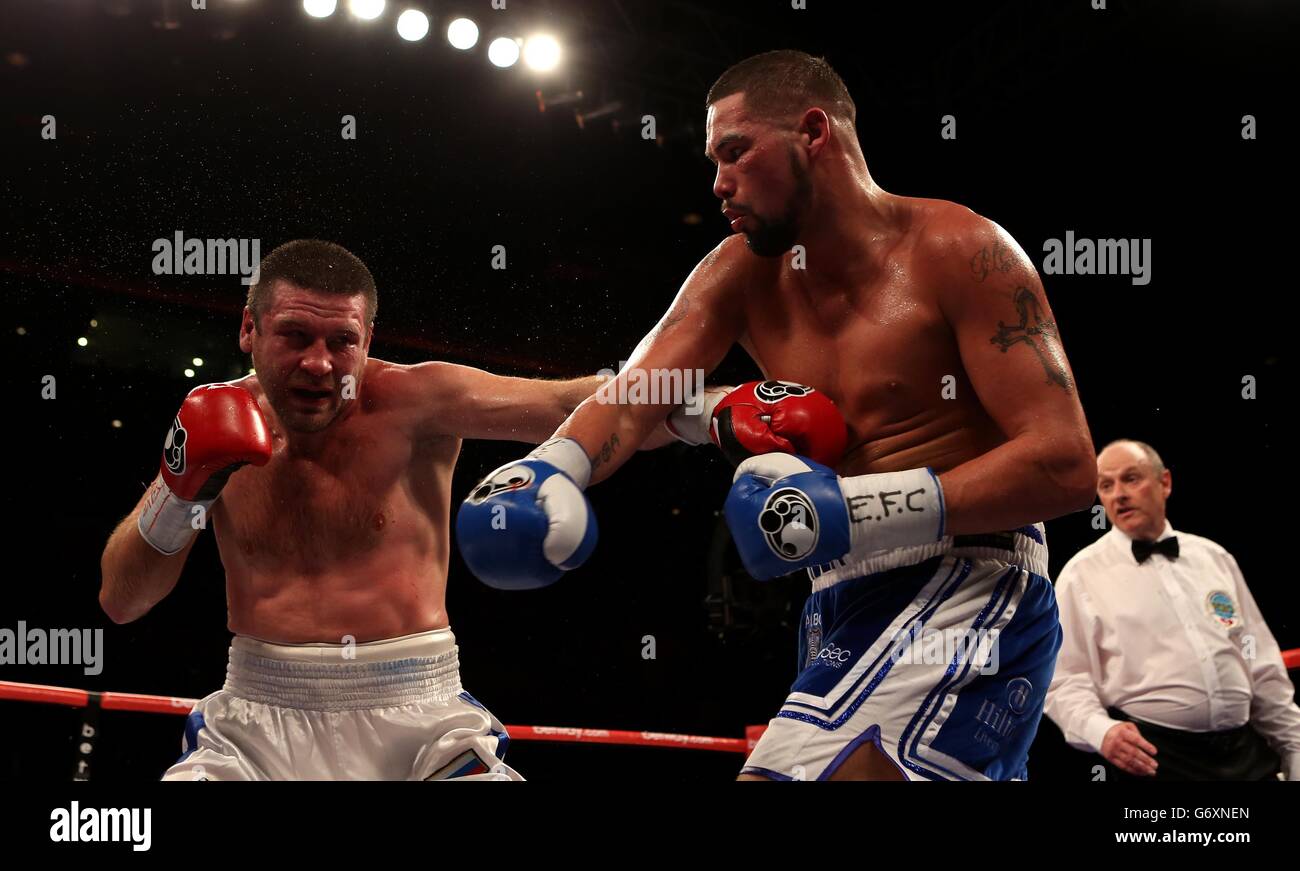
1126, 749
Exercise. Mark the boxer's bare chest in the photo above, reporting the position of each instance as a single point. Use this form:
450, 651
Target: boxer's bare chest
352, 497
879, 346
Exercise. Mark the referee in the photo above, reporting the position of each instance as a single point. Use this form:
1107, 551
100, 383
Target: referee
1167, 668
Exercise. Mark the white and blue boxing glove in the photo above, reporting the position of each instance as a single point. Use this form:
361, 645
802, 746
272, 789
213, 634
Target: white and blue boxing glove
526, 524
787, 512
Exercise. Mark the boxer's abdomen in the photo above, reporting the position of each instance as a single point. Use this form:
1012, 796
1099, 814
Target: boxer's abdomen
354, 542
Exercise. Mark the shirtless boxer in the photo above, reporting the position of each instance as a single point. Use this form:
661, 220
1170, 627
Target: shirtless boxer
334, 537
928, 327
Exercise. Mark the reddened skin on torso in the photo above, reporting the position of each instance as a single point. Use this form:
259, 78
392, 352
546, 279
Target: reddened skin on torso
348, 539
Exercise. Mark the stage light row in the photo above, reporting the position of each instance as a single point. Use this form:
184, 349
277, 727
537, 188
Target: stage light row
540, 52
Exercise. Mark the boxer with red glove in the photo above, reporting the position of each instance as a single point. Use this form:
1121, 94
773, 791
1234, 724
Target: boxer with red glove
218, 429
763, 417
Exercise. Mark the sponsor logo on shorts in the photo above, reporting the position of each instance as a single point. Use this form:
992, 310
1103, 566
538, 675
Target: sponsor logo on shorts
174, 448
1018, 692
789, 524
1220, 606
997, 721
814, 622
834, 656
775, 391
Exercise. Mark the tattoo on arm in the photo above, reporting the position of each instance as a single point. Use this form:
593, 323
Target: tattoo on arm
675, 316
991, 258
606, 452
1037, 333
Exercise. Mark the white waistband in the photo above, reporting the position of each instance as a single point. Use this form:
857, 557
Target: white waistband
345, 677
1020, 547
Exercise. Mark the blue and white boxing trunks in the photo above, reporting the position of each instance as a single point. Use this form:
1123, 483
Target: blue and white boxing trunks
380, 710
940, 655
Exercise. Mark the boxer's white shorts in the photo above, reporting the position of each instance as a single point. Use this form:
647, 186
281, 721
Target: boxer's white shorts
382, 710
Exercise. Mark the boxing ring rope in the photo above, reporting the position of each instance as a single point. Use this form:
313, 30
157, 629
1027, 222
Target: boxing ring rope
112, 701
149, 704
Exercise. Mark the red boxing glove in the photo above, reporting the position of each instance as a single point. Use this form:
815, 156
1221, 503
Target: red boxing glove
763, 417
218, 429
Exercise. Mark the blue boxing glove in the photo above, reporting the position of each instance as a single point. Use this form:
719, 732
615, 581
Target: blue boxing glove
526, 524
787, 513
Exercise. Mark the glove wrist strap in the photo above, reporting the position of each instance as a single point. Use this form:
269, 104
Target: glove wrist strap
692, 422
568, 456
893, 509
168, 522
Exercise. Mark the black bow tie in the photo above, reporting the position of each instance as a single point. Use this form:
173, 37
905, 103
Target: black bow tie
1142, 550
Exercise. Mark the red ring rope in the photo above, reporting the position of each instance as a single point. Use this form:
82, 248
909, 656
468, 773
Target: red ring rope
109, 701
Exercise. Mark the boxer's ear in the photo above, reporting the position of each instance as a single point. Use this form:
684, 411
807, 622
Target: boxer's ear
816, 126
246, 327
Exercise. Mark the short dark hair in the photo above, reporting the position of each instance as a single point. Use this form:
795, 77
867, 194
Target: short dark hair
313, 264
781, 83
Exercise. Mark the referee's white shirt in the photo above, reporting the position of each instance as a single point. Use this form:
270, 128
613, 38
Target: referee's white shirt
1179, 643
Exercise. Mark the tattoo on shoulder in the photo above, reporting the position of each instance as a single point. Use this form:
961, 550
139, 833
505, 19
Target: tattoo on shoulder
1038, 333
991, 258
606, 452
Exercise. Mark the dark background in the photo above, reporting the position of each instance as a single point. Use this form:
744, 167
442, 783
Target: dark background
1119, 123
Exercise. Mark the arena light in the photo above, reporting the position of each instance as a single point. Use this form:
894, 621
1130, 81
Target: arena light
197, 361
189, 373
503, 51
541, 53
83, 341
462, 34
412, 25
366, 10
319, 8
